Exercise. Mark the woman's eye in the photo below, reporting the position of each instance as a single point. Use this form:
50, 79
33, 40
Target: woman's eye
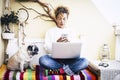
59, 19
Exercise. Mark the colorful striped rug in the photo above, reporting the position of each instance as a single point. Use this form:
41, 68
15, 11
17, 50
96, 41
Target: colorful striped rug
43, 74
16, 75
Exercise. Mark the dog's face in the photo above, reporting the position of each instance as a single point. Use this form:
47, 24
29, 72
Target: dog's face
32, 50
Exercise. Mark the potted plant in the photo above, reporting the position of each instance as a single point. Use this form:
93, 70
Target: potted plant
6, 20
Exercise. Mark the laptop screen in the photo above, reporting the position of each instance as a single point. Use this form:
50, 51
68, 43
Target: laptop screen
66, 50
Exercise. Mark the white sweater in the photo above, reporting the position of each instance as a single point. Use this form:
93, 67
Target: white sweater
55, 33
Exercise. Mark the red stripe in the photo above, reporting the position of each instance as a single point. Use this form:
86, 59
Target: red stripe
21, 75
82, 76
6, 76
72, 77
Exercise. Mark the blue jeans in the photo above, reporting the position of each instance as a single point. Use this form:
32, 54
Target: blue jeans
75, 64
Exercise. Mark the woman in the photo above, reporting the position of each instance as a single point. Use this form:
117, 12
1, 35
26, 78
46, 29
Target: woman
61, 33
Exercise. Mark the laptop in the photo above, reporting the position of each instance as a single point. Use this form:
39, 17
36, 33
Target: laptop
68, 50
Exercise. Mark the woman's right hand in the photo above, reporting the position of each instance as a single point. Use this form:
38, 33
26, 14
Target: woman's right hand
62, 39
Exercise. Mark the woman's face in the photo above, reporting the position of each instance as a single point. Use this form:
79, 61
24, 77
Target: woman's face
61, 20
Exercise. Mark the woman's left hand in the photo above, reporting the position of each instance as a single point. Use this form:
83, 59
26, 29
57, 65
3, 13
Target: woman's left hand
62, 39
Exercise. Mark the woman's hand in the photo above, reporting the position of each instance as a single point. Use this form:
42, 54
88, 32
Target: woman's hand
62, 39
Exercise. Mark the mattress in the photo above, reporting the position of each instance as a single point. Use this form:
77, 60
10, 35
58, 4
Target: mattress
43, 74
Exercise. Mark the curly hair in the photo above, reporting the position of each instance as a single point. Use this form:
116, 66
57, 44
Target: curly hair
61, 9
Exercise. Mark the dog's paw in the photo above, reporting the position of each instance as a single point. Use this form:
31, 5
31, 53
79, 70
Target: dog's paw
22, 71
32, 67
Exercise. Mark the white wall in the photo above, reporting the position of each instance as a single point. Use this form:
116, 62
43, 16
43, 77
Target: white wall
110, 10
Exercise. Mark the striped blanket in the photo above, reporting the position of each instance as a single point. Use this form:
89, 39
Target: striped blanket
43, 74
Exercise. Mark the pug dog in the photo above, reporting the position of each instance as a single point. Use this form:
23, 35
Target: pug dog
21, 59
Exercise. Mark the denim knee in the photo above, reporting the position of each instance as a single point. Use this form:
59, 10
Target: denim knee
43, 59
47, 62
85, 61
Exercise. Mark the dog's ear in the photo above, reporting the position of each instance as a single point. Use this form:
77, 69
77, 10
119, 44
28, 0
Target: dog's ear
36, 49
29, 47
